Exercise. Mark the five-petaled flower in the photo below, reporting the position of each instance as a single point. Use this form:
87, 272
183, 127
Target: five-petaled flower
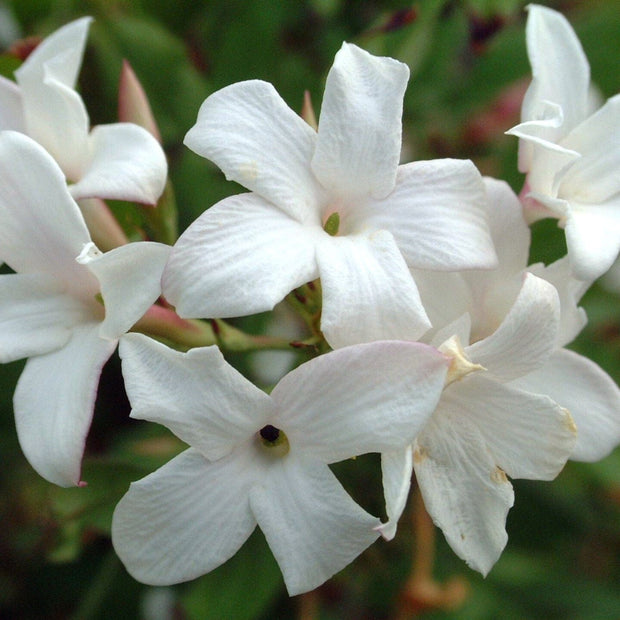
64, 308
258, 458
333, 203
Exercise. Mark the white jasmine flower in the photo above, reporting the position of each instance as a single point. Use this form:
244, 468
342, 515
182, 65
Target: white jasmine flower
485, 429
570, 152
119, 161
513, 415
333, 204
263, 459
64, 308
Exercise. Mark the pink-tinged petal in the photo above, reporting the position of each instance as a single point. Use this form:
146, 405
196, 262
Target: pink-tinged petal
547, 206
561, 73
464, 492
371, 397
11, 113
313, 527
528, 435
360, 127
258, 141
526, 337
594, 177
593, 238
185, 519
67, 42
54, 402
126, 163
572, 317
197, 395
591, 396
396, 470
438, 216
368, 291
130, 279
240, 257
36, 316
35, 237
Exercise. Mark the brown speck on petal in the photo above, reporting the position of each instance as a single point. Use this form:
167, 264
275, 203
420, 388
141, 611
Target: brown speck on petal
498, 476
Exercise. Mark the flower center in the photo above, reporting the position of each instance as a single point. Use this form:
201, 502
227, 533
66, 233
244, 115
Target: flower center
274, 440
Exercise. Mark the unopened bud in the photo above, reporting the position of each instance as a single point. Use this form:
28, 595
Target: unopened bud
133, 104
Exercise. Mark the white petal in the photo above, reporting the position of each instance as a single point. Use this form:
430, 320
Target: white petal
126, 163
486, 295
366, 398
538, 143
445, 297
464, 492
593, 238
559, 66
528, 435
36, 316
185, 519
67, 42
459, 328
11, 113
594, 177
360, 127
41, 227
54, 402
312, 525
56, 117
509, 231
258, 141
130, 278
527, 336
197, 395
591, 396
396, 470
572, 318
368, 292
242, 256
437, 214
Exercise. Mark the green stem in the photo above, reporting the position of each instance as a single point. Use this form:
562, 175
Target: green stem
307, 301
232, 339
164, 323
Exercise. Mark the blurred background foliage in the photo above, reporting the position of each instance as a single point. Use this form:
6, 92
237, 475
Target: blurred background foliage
469, 71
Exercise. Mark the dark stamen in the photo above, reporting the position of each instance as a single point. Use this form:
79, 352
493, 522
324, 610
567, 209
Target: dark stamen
269, 433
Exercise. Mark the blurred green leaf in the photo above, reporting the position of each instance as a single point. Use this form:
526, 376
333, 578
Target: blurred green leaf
160, 60
242, 588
